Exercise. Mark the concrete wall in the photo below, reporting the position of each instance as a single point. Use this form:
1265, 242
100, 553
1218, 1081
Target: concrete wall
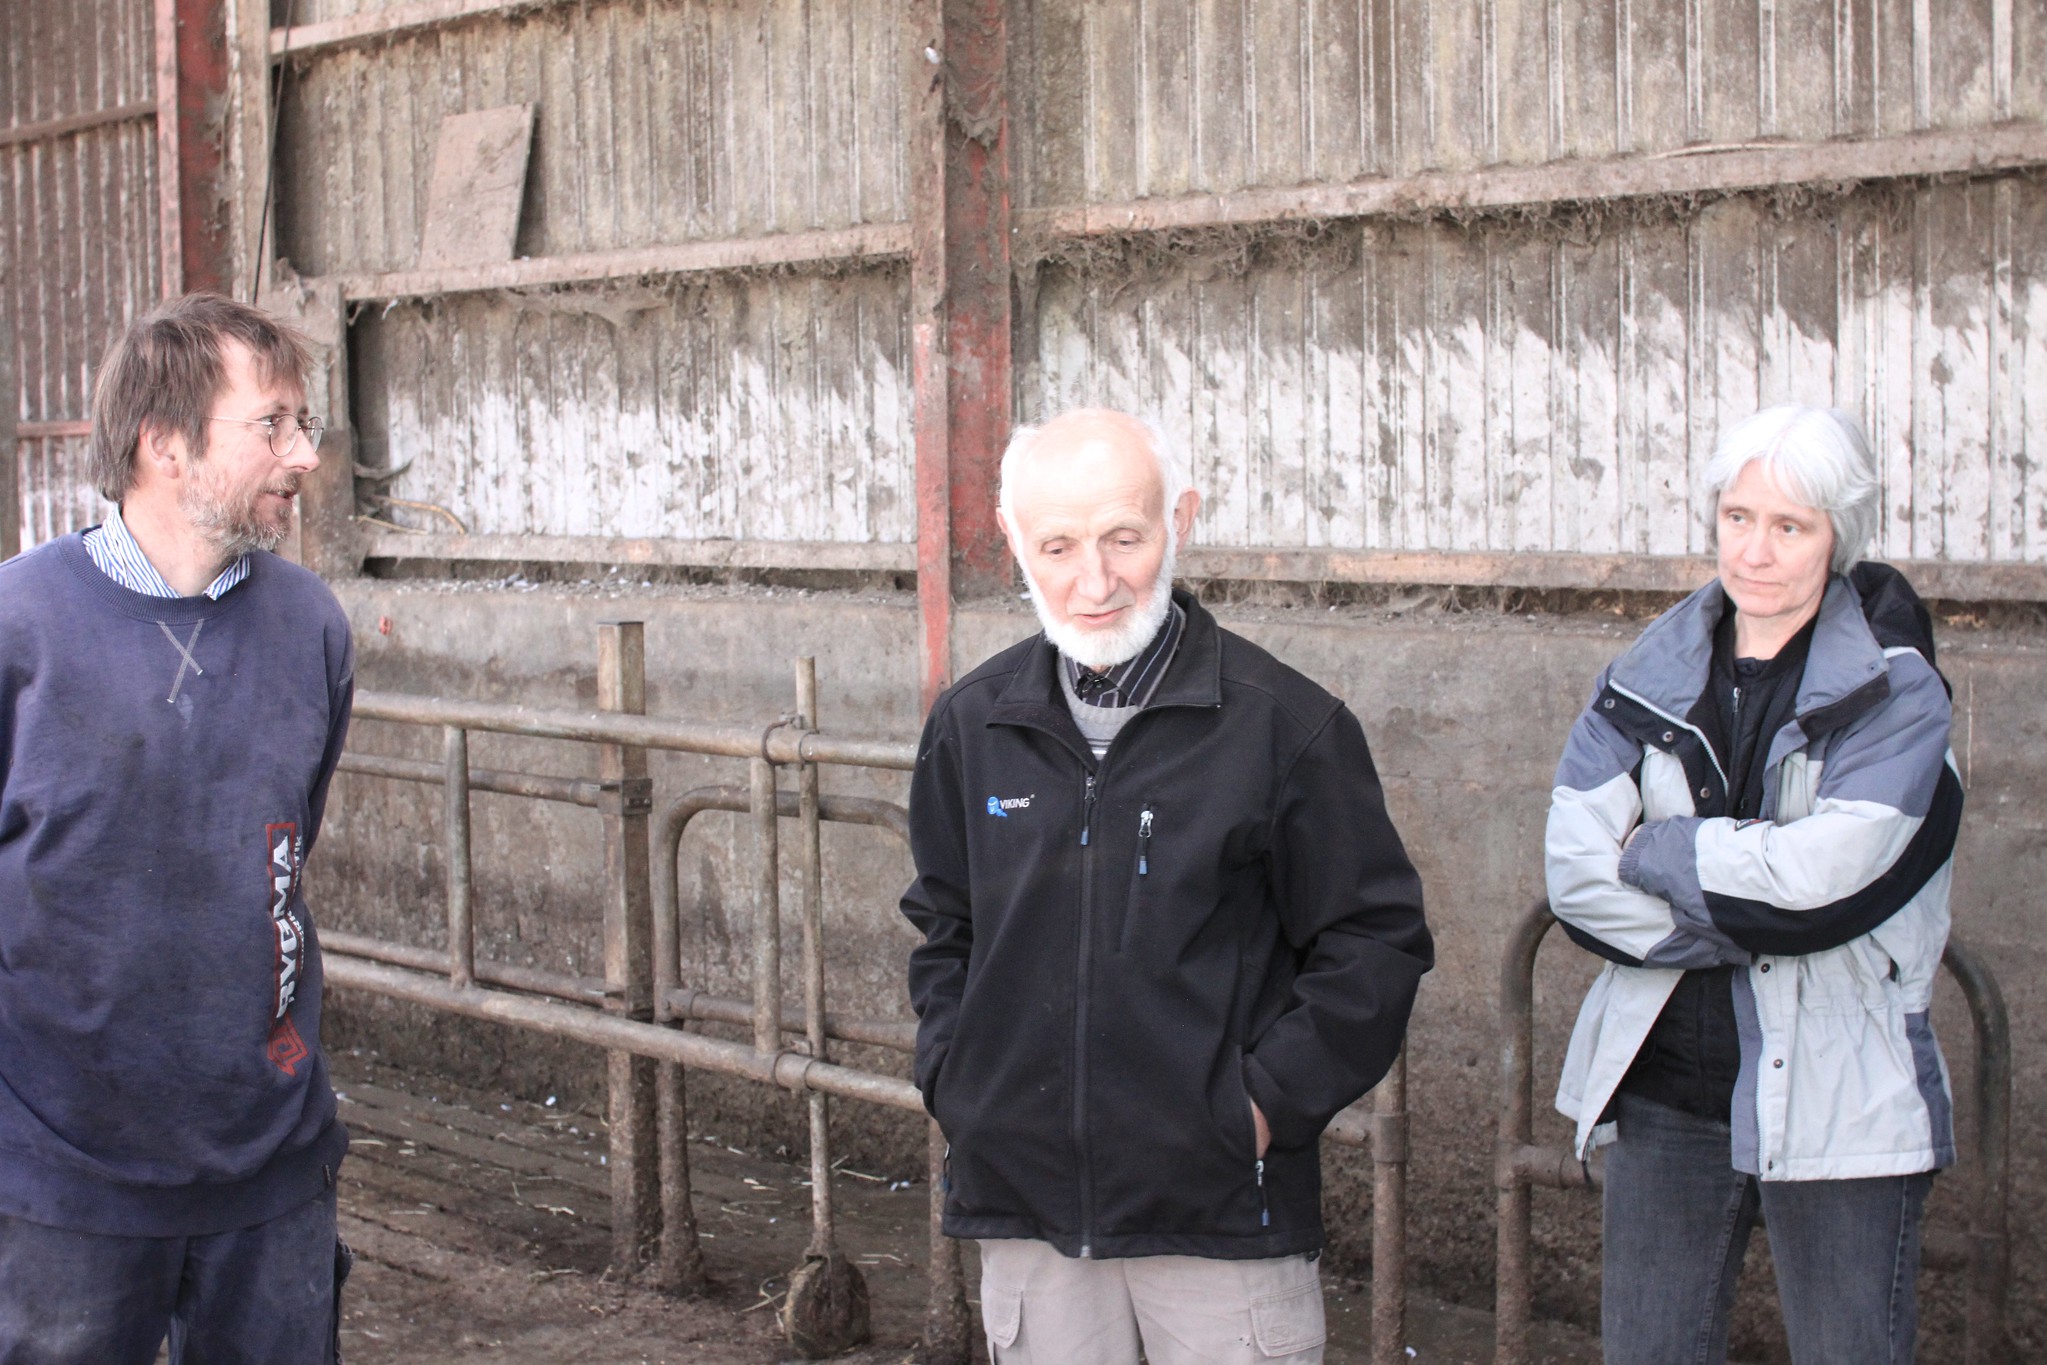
1465, 711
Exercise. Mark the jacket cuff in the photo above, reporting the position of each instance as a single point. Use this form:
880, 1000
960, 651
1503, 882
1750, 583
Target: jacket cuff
1631, 859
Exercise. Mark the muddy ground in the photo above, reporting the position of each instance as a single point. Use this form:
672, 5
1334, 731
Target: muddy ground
479, 1224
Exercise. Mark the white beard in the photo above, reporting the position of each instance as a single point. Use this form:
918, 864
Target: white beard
1100, 649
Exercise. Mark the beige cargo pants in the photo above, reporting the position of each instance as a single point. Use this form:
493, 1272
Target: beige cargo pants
1042, 1308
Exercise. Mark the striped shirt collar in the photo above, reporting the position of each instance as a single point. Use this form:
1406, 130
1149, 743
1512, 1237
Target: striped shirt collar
114, 553
1132, 682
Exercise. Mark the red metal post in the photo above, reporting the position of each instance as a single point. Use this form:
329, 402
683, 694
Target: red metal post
960, 308
191, 92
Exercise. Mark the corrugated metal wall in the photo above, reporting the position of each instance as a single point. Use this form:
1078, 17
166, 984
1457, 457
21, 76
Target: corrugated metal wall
1545, 381
1556, 386
769, 406
78, 229
747, 408
655, 123
1157, 97
1542, 378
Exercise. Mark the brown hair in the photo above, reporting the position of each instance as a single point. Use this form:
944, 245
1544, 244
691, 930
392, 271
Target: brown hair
166, 370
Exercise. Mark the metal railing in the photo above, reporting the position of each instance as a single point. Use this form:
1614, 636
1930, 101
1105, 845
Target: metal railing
638, 1011
1984, 1252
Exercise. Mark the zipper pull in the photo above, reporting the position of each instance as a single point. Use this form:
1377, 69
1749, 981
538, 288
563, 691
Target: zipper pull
1264, 1209
1087, 810
945, 1171
1144, 842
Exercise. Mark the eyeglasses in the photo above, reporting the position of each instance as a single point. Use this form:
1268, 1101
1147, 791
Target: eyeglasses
283, 430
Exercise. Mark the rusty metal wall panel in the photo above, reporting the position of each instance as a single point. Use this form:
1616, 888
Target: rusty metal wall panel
78, 223
1504, 387
59, 60
754, 408
656, 124
1161, 97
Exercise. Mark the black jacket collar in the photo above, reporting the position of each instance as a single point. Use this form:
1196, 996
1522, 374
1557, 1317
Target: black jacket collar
1194, 677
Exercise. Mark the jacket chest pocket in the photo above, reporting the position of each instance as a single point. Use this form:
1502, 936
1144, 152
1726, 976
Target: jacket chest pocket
1141, 899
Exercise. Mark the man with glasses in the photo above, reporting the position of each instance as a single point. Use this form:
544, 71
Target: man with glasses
173, 700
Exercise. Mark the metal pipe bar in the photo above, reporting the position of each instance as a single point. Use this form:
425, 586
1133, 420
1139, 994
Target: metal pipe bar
896, 1035
461, 896
48, 130
681, 1266
827, 556
394, 21
810, 872
767, 910
51, 431
633, 1159
531, 980
649, 732
948, 1329
1990, 1250
1979, 150
573, 791
1389, 1216
787, 1070
1512, 1299
864, 242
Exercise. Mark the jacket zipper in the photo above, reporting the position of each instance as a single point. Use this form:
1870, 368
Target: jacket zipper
1264, 1209
1144, 843
1084, 956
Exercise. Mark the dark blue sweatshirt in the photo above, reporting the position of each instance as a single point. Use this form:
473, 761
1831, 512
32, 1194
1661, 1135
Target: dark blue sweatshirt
163, 764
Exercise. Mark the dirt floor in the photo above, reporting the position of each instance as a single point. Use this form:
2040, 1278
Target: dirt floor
479, 1226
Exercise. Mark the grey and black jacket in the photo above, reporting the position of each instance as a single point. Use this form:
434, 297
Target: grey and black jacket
1120, 956
1835, 902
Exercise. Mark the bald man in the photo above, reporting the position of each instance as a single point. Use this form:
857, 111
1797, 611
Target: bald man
1169, 931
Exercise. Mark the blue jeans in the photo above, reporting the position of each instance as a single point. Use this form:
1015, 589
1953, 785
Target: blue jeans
1677, 1220
266, 1295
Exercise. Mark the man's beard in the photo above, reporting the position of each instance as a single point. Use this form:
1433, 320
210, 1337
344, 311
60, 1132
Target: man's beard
233, 526
1100, 649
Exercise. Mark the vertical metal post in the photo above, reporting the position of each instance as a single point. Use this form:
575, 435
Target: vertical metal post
628, 958
1512, 1286
947, 1328
192, 188
958, 55
1985, 1339
811, 864
461, 917
827, 1309
1389, 1216
170, 215
10, 444
682, 1255
767, 910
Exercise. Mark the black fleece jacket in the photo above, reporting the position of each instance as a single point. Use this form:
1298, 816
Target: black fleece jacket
1120, 956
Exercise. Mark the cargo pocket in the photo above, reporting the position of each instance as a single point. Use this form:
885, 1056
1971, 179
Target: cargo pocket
1288, 1322
1002, 1315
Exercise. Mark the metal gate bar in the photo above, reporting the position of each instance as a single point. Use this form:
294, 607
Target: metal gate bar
1520, 1165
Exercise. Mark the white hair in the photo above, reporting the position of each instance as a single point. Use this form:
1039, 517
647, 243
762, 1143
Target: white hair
1820, 457
1023, 442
